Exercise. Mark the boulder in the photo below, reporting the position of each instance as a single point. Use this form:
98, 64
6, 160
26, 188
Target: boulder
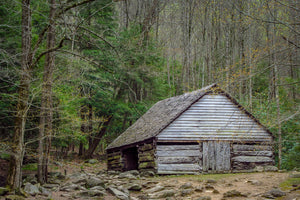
31, 189
30, 179
80, 181
91, 193
71, 187
275, 192
128, 175
110, 172
216, 191
199, 189
157, 188
3, 191
119, 194
211, 181
97, 188
163, 194
295, 175
258, 169
92, 161
56, 175
147, 173
55, 181
51, 186
123, 189
233, 193
209, 187
135, 187
254, 182
186, 192
66, 195
93, 181
44, 191
186, 186
270, 168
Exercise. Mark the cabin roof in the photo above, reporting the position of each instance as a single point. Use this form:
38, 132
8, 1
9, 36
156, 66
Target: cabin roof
164, 112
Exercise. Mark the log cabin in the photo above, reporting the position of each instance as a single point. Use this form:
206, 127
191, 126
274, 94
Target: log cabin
205, 131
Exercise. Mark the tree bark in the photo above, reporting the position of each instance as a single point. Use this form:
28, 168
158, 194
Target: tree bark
97, 138
14, 180
46, 117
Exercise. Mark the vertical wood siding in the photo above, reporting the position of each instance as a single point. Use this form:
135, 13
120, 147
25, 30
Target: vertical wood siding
214, 117
216, 156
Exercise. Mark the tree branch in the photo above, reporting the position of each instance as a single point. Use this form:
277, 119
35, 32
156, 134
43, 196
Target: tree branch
60, 45
290, 42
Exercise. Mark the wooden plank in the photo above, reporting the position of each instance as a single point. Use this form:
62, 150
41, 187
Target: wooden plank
146, 147
178, 167
210, 110
211, 155
215, 128
222, 151
145, 158
178, 160
116, 157
253, 153
249, 159
197, 121
147, 153
113, 153
212, 136
254, 147
205, 163
212, 120
214, 117
178, 153
176, 147
177, 172
146, 165
216, 133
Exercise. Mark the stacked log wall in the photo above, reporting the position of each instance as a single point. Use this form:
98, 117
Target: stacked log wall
146, 157
248, 156
179, 159
114, 161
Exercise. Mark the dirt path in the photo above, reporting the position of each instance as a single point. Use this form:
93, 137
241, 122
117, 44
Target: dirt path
251, 184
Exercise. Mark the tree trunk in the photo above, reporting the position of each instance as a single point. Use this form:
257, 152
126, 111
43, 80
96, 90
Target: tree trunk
97, 138
46, 117
14, 179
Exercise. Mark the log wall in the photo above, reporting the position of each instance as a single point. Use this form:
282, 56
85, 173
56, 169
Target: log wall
114, 161
179, 159
248, 156
146, 157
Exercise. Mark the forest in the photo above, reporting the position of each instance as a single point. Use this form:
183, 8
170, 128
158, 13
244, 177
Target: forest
74, 74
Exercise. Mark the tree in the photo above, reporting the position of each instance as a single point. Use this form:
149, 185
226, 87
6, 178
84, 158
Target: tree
46, 115
14, 179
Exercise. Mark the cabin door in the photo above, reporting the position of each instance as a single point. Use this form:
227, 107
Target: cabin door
216, 156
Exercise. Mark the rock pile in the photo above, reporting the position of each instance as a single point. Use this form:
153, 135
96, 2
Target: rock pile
131, 185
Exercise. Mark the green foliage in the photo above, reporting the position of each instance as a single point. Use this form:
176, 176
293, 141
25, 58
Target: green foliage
4, 156
30, 167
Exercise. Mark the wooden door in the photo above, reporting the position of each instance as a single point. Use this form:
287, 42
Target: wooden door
216, 156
